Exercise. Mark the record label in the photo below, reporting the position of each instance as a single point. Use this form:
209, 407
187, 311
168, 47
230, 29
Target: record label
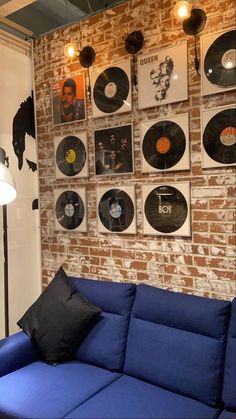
116, 210
164, 144
69, 210
166, 209
220, 60
70, 155
219, 137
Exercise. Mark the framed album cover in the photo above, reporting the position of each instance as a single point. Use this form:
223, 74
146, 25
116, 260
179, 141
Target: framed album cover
68, 100
166, 209
165, 144
163, 76
114, 150
116, 210
218, 128
71, 155
218, 62
111, 89
70, 209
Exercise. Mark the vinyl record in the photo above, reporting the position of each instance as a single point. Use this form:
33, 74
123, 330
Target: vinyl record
69, 210
164, 145
219, 137
166, 209
111, 89
70, 155
116, 210
220, 60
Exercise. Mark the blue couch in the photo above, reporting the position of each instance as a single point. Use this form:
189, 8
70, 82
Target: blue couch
152, 354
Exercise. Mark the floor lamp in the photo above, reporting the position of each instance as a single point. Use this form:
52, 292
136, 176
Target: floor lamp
7, 195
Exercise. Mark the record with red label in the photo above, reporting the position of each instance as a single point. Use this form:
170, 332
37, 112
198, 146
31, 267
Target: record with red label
219, 137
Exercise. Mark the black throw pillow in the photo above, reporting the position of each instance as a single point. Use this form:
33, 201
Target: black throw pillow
59, 319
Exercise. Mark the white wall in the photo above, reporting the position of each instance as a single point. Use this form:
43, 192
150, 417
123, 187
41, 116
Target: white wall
23, 222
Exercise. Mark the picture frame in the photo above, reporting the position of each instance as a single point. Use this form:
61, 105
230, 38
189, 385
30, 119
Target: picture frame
218, 136
71, 155
111, 89
165, 144
163, 76
116, 209
68, 98
70, 209
166, 209
114, 150
218, 53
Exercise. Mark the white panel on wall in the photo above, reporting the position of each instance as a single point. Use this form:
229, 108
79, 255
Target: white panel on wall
23, 221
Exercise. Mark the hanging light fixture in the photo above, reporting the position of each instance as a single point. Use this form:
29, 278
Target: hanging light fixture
182, 10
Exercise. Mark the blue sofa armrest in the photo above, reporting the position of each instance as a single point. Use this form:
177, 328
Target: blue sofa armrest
16, 351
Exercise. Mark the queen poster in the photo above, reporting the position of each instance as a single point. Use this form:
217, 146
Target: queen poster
162, 77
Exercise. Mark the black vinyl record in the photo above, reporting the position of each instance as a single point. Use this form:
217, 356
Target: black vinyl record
70, 155
164, 145
220, 60
166, 209
111, 89
69, 210
219, 137
116, 210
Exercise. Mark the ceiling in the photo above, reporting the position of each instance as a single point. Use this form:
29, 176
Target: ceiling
33, 18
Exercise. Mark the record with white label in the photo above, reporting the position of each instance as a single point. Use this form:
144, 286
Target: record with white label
71, 159
219, 137
218, 61
166, 209
116, 210
165, 144
111, 89
70, 209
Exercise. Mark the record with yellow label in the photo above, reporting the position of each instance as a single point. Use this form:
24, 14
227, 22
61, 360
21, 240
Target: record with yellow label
71, 156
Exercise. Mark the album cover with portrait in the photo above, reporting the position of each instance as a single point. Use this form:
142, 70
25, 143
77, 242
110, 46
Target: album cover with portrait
111, 89
165, 144
166, 209
70, 208
163, 76
116, 210
114, 150
71, 155
68, 100
218, 128
218, 62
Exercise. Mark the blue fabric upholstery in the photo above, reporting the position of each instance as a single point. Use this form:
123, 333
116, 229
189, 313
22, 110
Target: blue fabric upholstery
105, 345
177, 342
229, 388
16, 351
130, 398
226, 414
44, 391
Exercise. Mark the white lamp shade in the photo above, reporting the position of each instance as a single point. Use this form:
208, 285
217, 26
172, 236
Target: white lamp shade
7, 185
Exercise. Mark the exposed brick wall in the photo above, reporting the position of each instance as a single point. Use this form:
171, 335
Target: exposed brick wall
202, 264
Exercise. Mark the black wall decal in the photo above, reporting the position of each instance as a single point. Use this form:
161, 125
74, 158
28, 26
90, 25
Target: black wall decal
32, 165
23, 123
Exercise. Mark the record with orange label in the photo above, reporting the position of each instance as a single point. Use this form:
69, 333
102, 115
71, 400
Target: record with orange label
164, 145
71, 156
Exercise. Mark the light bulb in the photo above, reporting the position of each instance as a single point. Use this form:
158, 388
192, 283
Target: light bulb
70, 50
182, 10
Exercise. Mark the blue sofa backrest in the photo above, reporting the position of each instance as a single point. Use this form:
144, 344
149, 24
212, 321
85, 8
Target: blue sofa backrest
177, 342
229, 387
105, 344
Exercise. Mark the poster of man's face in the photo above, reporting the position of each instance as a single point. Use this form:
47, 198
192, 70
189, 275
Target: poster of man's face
68, 100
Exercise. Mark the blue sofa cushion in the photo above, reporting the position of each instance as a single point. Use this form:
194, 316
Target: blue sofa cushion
229, 388
226, 414
177, 342
105, 344
45, 391
131, 398
59, 319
